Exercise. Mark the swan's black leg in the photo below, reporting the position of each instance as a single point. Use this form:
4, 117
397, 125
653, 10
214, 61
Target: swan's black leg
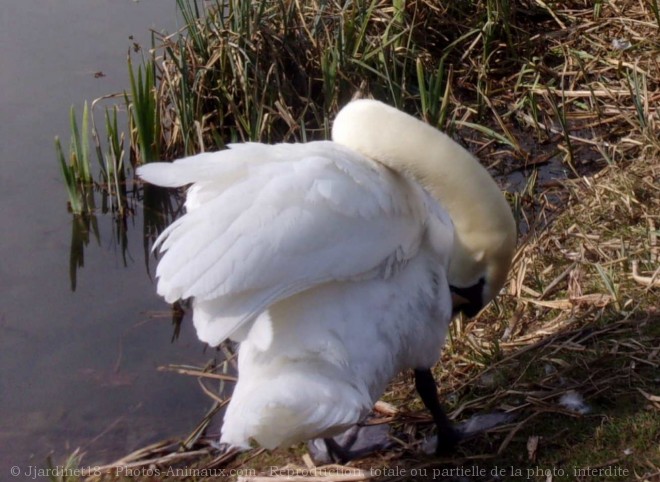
336, 452
448, 437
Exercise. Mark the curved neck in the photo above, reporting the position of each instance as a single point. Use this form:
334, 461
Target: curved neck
484, 226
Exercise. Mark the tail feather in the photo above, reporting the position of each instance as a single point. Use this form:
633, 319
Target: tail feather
299, 402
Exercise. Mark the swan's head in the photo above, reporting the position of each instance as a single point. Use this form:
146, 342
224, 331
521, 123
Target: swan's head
485, 231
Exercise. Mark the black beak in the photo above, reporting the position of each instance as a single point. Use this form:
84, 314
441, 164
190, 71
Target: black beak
468, 300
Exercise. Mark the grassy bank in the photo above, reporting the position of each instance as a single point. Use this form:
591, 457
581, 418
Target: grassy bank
560, 101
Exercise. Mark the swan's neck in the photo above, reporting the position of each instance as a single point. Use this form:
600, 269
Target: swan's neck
484, 226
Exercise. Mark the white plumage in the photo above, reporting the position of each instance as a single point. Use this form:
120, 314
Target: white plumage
329, 267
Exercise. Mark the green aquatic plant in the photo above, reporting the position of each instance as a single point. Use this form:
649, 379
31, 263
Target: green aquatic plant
144, 110
75, 167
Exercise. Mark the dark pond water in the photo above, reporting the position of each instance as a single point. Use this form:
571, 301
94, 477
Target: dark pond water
77, 369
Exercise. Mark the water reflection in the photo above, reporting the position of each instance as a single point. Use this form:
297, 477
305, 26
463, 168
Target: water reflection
159, 208
79, 369
80, 229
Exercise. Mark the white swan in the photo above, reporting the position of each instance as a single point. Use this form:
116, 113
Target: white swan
333, 263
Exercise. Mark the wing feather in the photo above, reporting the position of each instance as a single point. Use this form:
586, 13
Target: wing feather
266, 222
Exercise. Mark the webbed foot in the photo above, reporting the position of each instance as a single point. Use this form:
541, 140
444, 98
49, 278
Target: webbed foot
356, 442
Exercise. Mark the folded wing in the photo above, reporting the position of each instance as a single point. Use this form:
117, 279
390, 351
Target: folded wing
264, 222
